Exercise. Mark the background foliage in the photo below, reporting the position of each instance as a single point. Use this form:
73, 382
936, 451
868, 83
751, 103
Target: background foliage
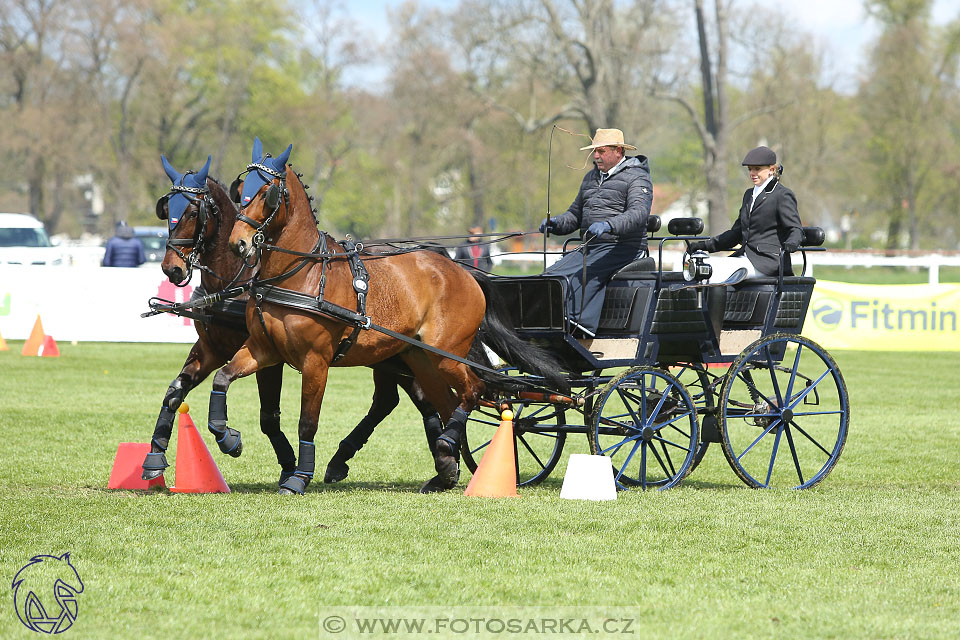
458, 130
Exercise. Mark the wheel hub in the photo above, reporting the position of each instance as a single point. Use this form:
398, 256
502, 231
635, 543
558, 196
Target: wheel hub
786, 415
647, 433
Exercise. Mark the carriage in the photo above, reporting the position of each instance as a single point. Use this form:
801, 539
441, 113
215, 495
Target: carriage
676, 365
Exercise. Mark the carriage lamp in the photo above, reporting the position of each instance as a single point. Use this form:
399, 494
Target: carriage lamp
696, 268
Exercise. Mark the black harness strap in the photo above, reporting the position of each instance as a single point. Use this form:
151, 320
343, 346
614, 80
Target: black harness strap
361, 280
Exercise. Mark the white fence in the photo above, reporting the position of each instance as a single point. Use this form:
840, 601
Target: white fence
671, 260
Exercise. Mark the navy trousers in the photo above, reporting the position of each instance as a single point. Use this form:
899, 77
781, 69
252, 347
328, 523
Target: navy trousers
585, 300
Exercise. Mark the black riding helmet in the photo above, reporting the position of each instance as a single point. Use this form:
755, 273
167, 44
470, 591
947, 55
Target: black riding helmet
760, 157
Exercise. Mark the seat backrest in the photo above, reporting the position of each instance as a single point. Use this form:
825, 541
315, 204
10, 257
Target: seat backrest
685, 226
813, 236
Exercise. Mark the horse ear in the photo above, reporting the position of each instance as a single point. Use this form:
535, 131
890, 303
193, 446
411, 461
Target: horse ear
283, 157
171, 172
202, 175
257, 149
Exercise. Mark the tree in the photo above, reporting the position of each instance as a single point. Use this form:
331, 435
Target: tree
904, 103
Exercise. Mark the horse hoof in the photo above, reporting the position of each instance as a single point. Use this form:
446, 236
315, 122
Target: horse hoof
294, 485
286, 492
238, 450
151, 474
433, 485
335, 472
447, 465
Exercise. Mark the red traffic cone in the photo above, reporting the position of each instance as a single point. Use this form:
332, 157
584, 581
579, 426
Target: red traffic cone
32, 346
127, 468
3, 345
49, 348
195, 470
496, 475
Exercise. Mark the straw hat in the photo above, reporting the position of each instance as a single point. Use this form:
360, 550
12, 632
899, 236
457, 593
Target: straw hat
608, 138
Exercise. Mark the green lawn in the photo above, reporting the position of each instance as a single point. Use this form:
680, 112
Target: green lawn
870, 553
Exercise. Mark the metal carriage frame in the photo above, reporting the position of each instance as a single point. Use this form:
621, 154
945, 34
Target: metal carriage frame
676, 366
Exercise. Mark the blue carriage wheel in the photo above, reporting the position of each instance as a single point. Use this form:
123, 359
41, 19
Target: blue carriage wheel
702, 387
537, 436
784, 413
645, 421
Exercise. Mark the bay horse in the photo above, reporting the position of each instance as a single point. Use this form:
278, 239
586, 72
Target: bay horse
308, 323
200, 216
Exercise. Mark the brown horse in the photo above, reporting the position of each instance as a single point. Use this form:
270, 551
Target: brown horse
420, 295
201, 216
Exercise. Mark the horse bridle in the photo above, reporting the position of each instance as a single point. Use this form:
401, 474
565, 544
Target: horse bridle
200, 198
271, 199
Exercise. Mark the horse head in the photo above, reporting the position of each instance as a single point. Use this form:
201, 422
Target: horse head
191, 214
262, 195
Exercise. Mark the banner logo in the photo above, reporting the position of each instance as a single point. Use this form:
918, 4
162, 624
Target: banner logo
45, 594
827, 313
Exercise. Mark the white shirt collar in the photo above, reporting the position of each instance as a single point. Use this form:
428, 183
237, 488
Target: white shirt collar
757, 189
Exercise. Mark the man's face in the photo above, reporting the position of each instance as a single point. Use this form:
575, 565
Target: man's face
607, 157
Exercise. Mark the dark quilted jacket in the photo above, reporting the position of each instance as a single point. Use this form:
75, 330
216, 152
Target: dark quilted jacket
623, 200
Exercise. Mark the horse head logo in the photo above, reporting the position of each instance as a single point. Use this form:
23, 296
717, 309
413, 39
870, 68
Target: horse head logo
45, 593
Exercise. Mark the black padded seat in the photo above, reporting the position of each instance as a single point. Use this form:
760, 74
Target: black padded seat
636, 268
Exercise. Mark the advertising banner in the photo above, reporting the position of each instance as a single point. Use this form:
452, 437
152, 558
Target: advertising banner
884, 317
90, 303
104, 304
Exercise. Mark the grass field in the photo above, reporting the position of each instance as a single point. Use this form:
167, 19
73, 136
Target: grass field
870, 553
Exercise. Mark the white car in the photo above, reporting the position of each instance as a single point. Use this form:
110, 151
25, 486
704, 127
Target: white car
23, 240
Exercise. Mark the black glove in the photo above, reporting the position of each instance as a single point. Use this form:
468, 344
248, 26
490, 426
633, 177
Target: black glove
598, 229
697, 245
548, 223
790, 247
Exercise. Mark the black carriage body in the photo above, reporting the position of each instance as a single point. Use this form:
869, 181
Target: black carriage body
652, 318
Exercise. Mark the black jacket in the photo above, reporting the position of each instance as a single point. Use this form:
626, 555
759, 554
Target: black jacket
623, 200
773, 223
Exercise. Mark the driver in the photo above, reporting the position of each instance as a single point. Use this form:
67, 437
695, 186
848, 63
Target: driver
610, 211
768, 221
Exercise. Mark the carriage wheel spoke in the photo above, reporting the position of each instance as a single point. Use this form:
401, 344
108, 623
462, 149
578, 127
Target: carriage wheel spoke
803, 394
616, 448
772, 368
660, 462
643, 465
773, 454
665, 442
793, 452
759, 438
793, 371
810, 438
531, 451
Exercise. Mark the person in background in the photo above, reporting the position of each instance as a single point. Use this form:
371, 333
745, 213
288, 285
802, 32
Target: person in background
768, 221
610, 211
474, 254
124, 250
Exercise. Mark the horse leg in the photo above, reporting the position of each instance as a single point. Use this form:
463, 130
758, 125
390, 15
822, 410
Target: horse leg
385, 400
269, 384
200, 362
435, 385
432, 425
242, 364
311, 397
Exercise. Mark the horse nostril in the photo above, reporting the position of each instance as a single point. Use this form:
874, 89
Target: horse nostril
176, 275
241, 247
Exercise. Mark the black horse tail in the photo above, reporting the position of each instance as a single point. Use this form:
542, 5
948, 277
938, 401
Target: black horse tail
497, 332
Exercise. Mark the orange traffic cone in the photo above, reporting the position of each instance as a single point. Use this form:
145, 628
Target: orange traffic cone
496, 475
49, 348
195, 472
32, 346
127, 468
3, 345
